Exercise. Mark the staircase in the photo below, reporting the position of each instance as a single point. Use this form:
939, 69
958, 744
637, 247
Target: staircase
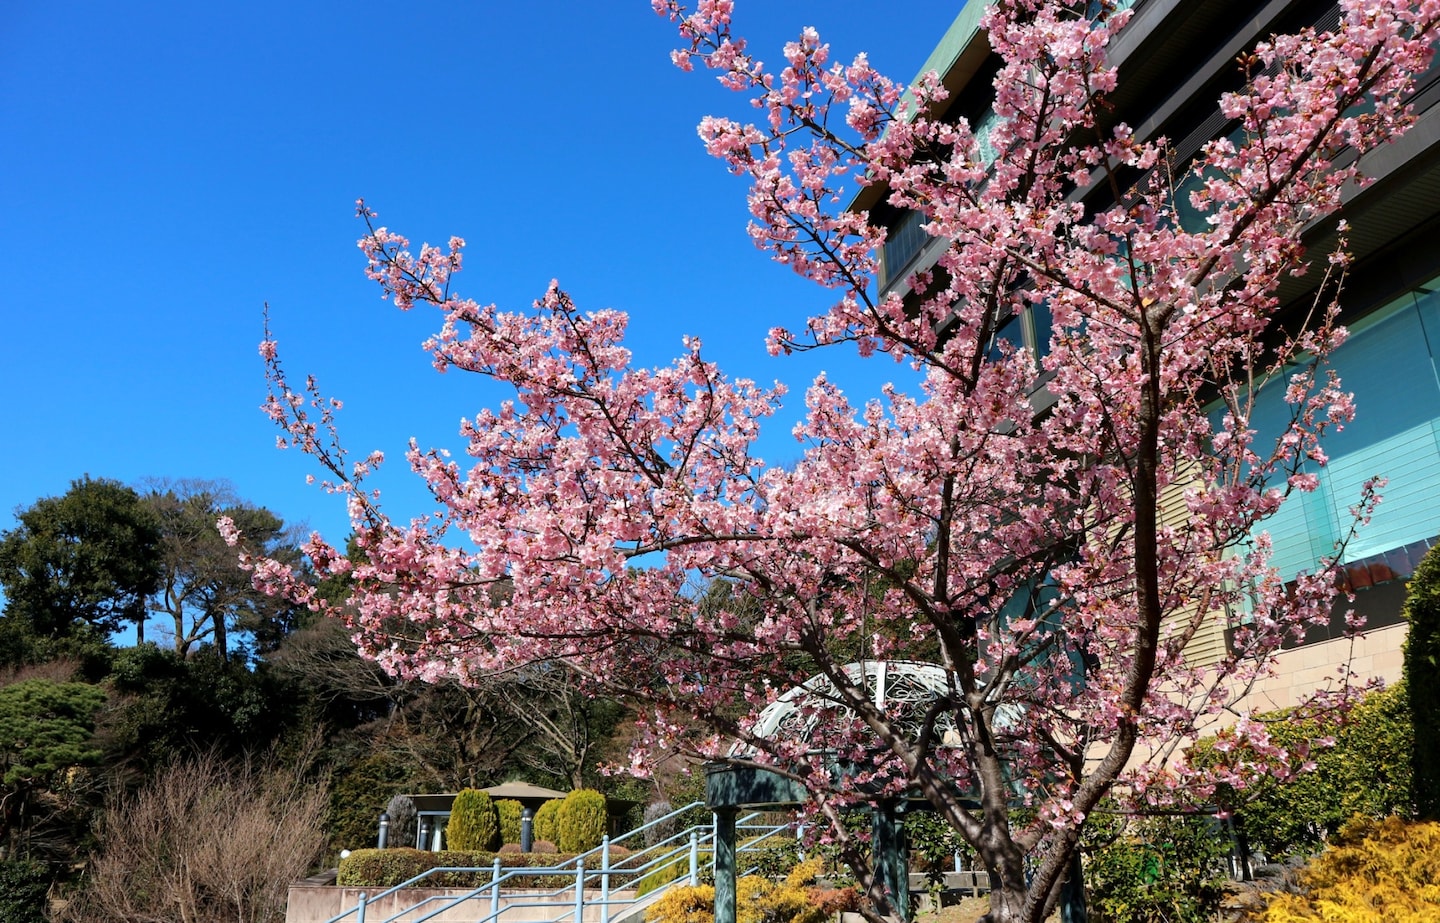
594, 887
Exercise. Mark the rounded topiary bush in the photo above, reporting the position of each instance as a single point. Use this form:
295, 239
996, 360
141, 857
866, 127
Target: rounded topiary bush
510, 813
581, 821
545, 847
546, 822
474, 823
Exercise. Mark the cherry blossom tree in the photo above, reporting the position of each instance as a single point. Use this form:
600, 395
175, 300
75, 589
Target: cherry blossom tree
1050, 533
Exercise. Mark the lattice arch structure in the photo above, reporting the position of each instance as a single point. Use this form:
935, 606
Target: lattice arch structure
903, 689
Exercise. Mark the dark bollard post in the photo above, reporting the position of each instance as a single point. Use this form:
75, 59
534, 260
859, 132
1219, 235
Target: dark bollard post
383, 839
527, 827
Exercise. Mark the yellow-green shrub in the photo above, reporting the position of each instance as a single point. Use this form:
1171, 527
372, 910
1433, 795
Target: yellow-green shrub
510, 812
757, 900
473, 822
1374, 872
581, 821
545, 822
661, 876
684, 904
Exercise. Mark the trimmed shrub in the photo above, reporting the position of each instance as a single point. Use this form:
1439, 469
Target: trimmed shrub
1375, 872
474, 824
510, 849
510, 813
581, 821
1422, 680
544, 847
24, 891
1164, 867
546, 822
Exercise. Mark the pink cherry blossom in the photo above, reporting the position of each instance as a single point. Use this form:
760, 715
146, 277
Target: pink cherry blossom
1055, 566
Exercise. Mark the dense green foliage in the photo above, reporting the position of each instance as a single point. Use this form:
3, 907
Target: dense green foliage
1374, 872
80, 564
1422, 679
474, 825
1366, 772
24, 891
91, 721
1151, 869
45, 729
581, 821
511, 814
204, 592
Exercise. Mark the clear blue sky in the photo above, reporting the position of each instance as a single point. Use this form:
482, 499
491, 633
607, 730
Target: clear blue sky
166, 168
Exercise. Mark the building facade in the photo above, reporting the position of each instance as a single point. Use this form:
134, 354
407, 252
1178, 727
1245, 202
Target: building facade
1175, 58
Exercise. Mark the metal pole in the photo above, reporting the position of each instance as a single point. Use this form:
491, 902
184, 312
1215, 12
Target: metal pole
383, 839
694, 858
360, 909
495, 891
605, 879
579, 890
725, 867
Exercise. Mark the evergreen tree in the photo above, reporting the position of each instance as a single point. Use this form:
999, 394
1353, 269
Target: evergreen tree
1422, 681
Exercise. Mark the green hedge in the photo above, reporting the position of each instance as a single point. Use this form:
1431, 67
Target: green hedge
1367, 772
385, 868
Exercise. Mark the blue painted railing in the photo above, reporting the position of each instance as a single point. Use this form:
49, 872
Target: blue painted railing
587, 881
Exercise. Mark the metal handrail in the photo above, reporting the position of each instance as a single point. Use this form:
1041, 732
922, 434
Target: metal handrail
598, 877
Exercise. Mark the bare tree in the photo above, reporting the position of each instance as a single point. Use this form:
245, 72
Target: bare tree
205, 841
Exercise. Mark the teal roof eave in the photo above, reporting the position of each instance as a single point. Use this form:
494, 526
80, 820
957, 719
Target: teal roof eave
953, 43
963, 38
